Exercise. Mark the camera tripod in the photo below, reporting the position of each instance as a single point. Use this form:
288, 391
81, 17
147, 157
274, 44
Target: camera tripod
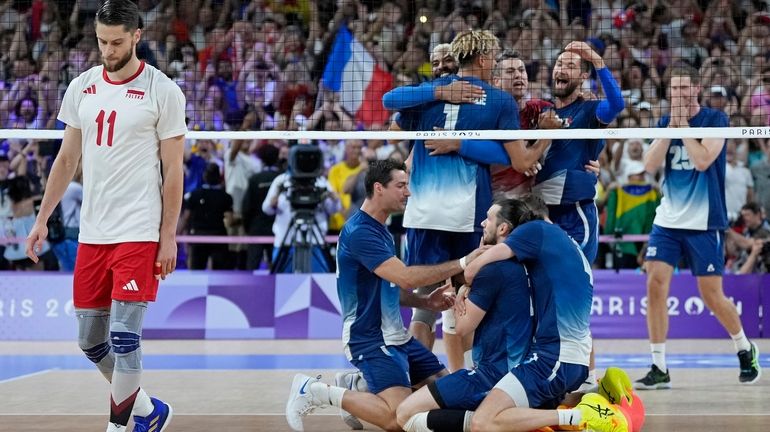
303, 235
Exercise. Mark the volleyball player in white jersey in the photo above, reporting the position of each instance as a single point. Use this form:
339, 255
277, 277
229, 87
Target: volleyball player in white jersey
126, 120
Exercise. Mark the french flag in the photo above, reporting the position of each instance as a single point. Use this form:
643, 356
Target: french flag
352, 72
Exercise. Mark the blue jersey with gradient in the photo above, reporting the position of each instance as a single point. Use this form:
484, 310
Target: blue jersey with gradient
562, 289
449, 192
371, 314
563, 179
502, 290
694, 199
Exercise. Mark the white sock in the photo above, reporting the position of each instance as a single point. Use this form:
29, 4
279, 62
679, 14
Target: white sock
326, 394
741, 341
468, 359
659, 355
114, 427
569, 417
142, 405
418, 423
591, 377
335, 396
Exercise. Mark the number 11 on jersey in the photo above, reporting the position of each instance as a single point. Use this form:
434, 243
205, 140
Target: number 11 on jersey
110, 129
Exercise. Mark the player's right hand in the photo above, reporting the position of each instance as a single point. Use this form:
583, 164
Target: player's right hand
549, 120
459, 92
35, 239
439, 147
442, 298
459, 306
533, 170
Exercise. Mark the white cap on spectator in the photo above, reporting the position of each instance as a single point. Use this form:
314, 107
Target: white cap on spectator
635, 167
644, 105
719, 90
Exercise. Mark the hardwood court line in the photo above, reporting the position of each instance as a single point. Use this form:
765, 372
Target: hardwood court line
29, 375
337, 414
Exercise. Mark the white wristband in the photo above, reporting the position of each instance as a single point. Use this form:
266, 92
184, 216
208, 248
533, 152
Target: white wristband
462, 263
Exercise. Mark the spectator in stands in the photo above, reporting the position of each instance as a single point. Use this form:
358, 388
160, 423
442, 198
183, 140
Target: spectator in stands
631, 205
208, 210
66, 250
753, 255
338, 175
196, 158
717, 98
22, 220
760, 171
255, 221
739, 185
759, 96
625, 157
239, 167
5, 204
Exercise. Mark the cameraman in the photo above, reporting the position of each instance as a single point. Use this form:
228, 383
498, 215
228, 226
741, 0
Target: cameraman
751, 247
277, 203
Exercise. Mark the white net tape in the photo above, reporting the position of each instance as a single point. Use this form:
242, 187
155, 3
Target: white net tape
505, 135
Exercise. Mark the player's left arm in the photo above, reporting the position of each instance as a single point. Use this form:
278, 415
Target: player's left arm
704, 152
498, 252
468, 322
610, 107
171, 129
171, 156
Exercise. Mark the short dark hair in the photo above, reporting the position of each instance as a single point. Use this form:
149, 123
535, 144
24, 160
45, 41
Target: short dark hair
19, 189
507, 54
17, 107
268, 154
381, 171
119, 12
536, 204
682, 69
515, 212
752, 207
212, 176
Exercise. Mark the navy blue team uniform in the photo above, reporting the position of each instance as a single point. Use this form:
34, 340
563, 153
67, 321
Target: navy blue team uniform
373, 333
562, 291
451, 194
563, 182
502, 290
692, 214
565, 185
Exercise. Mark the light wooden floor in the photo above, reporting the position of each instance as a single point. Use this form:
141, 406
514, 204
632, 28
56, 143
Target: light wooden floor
249, 399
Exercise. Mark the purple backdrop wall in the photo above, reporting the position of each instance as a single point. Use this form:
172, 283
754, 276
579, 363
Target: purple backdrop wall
236, 305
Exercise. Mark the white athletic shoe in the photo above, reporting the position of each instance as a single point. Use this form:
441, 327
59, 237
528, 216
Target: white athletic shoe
301, 402
349, 380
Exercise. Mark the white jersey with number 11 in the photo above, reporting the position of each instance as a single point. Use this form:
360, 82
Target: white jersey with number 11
122, 124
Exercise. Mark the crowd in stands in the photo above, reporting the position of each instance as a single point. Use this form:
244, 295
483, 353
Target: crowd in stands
258, 65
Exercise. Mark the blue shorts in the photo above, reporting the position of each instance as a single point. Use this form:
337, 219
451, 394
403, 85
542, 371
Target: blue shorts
426, 246
581, 222
542, 383
464, 389
397, 366
703, 250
